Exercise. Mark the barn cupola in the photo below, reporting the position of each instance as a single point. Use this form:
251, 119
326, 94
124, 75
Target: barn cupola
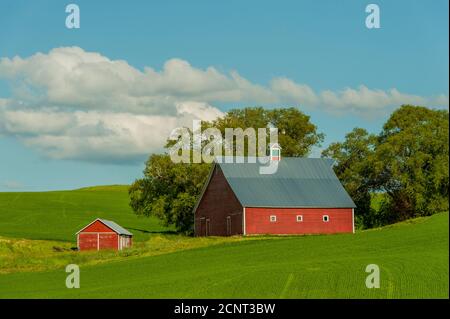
275, 152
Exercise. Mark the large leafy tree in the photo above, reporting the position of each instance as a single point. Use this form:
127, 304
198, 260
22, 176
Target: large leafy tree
296, 134
354, 167
408, 162
411, 163
168, 191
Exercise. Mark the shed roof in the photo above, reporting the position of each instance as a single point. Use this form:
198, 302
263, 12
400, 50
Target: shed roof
115, 227
298, 182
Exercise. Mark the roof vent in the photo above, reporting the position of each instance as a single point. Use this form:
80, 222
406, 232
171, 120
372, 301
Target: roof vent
275, 152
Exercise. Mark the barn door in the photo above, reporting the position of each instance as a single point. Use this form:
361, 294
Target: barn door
202, 229
207, 230
228, 225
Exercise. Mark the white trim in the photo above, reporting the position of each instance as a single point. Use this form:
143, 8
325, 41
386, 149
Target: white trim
89, 225
205, 186
98, 241
274, 218
95, 232
97, 219
244, 231
301, 218
328, 218
275, 145
353, 220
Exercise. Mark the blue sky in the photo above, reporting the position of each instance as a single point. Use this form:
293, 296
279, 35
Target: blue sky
321, 45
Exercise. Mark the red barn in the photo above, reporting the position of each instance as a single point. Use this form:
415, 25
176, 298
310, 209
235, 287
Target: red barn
103, 234
304, 196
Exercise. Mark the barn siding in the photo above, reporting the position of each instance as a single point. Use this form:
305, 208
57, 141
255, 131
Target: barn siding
257, 220
218, 202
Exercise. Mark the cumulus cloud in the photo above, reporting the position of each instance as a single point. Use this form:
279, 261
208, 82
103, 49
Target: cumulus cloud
70, 103
99, 136
292, 92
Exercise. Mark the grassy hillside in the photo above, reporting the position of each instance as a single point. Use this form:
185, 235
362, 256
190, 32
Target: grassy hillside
413, 258
59, 215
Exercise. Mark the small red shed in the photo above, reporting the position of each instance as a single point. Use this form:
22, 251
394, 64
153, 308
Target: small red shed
103, 234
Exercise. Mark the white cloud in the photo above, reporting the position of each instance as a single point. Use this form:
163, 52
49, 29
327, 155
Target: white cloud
364, 99
198, 110
292, 92
74, 104
31, 122
99, 136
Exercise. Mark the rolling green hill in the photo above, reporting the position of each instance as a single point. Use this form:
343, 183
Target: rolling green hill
59, 215
412, 256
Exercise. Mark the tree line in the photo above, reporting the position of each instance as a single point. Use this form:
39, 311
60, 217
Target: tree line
400, 173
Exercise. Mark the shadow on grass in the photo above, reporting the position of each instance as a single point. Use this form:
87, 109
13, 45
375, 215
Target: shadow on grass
165, 232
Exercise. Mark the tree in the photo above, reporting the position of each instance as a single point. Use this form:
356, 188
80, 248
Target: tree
168, 191
354, 159
412, 163
407, 163
296, 134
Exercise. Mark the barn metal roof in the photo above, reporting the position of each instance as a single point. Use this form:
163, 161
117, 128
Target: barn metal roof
117, 228
298, 182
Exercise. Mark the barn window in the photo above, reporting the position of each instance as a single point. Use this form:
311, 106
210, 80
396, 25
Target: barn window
273, 218
326, 218
299, 218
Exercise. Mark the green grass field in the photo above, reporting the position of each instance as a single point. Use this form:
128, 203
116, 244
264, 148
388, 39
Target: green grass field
59, 215
413, 258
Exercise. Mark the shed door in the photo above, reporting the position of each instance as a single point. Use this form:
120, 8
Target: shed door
107, 241
88, 241
124, 242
